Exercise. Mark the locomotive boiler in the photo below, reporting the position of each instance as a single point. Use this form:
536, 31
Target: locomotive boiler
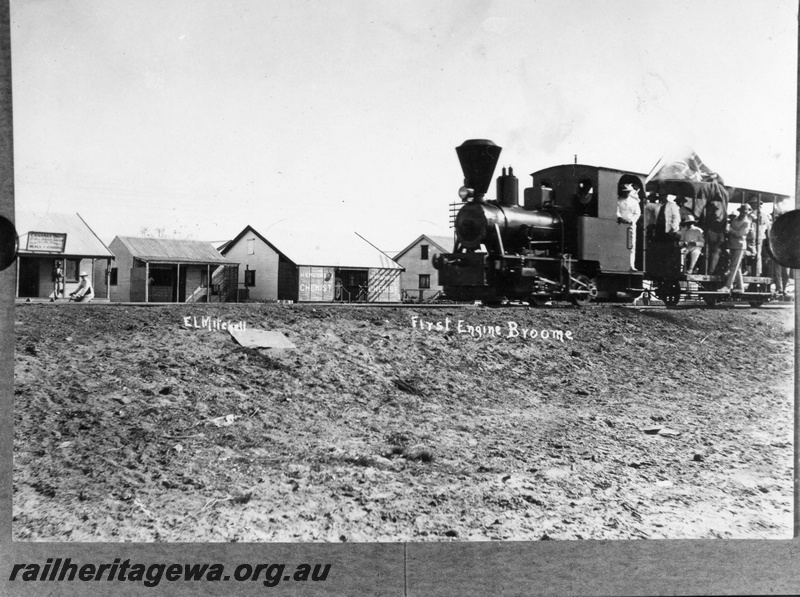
563, 242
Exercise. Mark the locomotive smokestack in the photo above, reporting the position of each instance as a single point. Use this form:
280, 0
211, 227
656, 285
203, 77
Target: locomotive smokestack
478, 159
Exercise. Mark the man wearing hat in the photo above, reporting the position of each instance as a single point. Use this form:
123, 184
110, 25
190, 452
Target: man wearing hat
761, 226
682, 209
84, 292
58, 280
668, 219
737, 243
628, 212
714, 220
692, 241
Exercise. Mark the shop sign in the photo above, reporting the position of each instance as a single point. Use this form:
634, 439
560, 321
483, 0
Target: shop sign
316, 284
51, 242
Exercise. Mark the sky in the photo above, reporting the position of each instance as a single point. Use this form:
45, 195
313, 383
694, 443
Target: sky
195, 118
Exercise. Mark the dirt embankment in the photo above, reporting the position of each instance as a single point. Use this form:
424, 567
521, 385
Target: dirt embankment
129, 425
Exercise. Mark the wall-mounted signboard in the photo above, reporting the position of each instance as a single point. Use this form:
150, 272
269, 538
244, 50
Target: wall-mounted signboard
316, 284
51, 242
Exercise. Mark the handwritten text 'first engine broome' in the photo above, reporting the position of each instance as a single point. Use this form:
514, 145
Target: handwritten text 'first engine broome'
510, 329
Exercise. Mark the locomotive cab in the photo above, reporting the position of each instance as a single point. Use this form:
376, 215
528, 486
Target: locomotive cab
587, 198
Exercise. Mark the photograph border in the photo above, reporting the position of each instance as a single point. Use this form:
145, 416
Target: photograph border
618, 567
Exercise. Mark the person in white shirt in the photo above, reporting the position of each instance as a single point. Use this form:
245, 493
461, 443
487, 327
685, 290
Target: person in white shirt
651, 212
628, 213
760, 227
668, 220
737, 243
691, 241
84, 292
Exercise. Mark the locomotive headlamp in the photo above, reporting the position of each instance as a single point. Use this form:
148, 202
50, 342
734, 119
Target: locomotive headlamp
466, 193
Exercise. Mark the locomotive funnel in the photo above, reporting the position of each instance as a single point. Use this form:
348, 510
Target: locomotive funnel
478, 159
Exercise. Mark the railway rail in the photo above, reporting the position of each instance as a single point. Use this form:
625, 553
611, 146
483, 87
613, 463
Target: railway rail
683, 305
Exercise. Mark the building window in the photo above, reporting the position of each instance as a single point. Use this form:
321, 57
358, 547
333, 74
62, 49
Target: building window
251, 246
249, 277
71, 269
423, 251
203, 278
424, 280
585, 202
112, 278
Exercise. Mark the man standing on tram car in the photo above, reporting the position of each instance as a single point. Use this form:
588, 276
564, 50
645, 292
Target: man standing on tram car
737, 243
668, 220
715, 223
651, 213
628, 212
761, 227
780, 274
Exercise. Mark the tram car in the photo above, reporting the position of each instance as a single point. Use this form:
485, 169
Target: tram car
565, 241
666, 269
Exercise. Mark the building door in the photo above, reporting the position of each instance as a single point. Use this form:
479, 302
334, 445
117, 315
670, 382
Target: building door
354, 285
28, 277
162, 288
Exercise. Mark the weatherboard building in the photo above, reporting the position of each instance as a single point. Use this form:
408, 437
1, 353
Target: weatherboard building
419, 281
303, 267
44, 239
161, 270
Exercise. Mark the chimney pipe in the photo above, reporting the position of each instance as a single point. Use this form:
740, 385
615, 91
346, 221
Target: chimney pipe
478, 158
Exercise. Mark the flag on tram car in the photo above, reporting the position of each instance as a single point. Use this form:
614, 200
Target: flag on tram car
682, 172
683, 164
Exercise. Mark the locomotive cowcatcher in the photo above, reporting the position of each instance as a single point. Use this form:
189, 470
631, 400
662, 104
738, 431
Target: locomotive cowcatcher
565, 242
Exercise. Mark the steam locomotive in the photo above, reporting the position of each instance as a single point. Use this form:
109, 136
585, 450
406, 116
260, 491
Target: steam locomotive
564, 242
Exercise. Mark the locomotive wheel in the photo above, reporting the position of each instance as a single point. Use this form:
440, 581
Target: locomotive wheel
711, 301
672, 294
582, 282
538, 301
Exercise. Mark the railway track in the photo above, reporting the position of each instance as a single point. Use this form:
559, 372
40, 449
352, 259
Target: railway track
684, 305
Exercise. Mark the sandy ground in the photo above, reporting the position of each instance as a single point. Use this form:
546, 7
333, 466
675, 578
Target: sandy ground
637, 423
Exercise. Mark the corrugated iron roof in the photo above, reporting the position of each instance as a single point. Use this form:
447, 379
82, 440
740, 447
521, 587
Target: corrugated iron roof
332, 249
168, 250
443, 243
81, 239
329, 248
